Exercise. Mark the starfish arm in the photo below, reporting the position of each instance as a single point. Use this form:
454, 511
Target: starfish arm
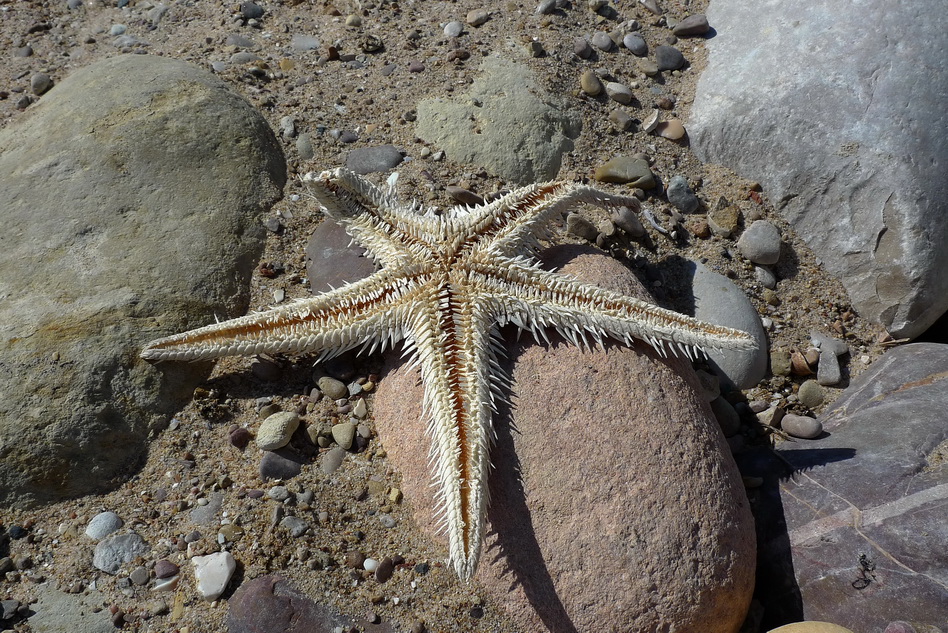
532, 298
369, 312
513, 224
393, 235
457, 353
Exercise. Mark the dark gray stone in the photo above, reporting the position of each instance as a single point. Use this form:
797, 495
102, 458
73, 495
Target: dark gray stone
282, 464
102, 187
679, 193
669, 58
696, 24
849, 142
367, 160
636, 44
865, 505
330, 262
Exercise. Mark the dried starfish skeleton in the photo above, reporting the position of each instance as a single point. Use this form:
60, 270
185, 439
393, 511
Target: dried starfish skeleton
447, 283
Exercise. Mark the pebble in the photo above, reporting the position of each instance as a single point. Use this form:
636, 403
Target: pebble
810, 394
295, 526
304, 146
619, 92
726, 415
385, 569
334, 389
636, 44
760, 243
799, 365
240, 437
669, 58
828, 343
355, 559
288, 127
243, 57
370, 564
672, 129
416, 67
546, 7
40, 83
696, 24
765, 277
359, 409
164, 568
582, 48
828, 371
681, 196
626, 169
780, 362
353, 20
238, 40
621, 120
332, 460
652, 6
801, 426
387, 521
590, 83
24, 51
274, 466
279, 493
602, 41
581, 227
139, 576
367, 160
212, 573
648, 67
464, 196
301, 43
453, 28
275, 432
117, 29
628, 220
103, 524
111, 553
251, 10
477, 17
344, 434
723, 221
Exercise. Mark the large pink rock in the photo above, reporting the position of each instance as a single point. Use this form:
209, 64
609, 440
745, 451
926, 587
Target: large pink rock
615, 503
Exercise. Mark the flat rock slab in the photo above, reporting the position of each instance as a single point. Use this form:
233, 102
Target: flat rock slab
505, 123
132, 202
865, 504
846, 134
615, 503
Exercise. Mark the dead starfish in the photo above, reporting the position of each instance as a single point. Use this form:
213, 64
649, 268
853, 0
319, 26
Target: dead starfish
447, 283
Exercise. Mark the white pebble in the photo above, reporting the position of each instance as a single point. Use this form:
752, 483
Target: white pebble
212, 573
276, 430
370, 564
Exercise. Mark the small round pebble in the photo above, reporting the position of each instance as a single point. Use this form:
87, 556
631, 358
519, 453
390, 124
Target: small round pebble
619, 92
696, 24
590, 83
582, 48
164, 568
672, 129
40, 83
139, 576
275, 432
621, 120
344, 434
240, 437
546, 7
385, 569
602, 41
334, 389
332, 460
669, 58
810, 394
296, 526
765, 277
477, 17
212, 573
760, 243
370, 564
635, 44
681, 196
453, 28
103, 524
801, 426
111, 553
251, 11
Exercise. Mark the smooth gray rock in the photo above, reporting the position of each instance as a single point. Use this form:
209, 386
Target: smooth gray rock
679, 193
846, 134
367, 160
760, 243
718, 300
331, 262
132, 201
59, 612
864, 508
505, 122
103, 524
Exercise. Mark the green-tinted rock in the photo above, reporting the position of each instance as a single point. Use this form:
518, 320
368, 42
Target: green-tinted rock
625, 169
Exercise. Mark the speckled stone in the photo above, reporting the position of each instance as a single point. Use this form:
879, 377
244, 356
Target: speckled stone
275, 432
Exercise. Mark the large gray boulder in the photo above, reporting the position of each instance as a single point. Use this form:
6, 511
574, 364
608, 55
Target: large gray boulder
615, 503
132, 200
505, 122
838, 110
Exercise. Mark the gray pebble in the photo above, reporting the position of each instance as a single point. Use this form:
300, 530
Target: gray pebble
118, 29
332, 460
334, 389
696, 24
251, 11
726, 416
681, 196
74, 4
218, 67
275, 466
801, 426
635, 44
344, 434
669, 58
279, 493
546, 7
810, 394
621, 120
243, 57
113, 552
602, 41
40, 83
304, 146
619, 92
296, 526
139, 576
239, 41
453, 28
581, 227
367, 160
828, 372
103, 524
207, 513
477, 17
828, 343
760, 243
24, 51
288, 127
464, 196
582, 48
387, 521
304, 43
765, 277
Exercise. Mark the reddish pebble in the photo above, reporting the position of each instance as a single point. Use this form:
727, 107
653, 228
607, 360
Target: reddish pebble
165, 569
240, 438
